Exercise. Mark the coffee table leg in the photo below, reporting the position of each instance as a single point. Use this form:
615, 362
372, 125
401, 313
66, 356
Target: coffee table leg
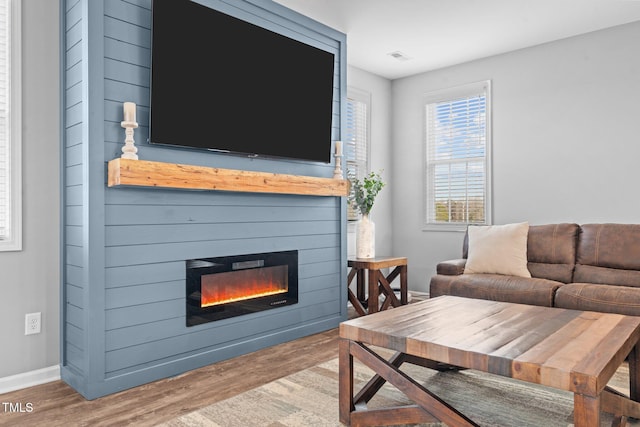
634, 377
345, 379
586, 410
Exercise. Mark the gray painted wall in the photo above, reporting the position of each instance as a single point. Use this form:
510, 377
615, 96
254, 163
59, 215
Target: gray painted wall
31, 278
565, 139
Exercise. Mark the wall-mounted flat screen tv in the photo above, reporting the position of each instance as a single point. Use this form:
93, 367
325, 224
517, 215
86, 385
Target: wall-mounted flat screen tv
221, 83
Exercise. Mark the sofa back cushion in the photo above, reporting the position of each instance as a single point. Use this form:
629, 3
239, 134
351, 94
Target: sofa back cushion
551, 251
609, 254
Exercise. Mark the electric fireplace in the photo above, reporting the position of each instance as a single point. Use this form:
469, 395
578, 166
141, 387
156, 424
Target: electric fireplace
223, 287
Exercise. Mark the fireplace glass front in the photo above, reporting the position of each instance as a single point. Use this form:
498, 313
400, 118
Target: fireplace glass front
223, 287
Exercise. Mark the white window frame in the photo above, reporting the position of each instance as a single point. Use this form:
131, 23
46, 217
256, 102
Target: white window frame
445, 95
354, 159
12, 193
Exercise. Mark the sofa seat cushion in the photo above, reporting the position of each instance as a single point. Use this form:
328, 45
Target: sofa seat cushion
496, 287
598, 297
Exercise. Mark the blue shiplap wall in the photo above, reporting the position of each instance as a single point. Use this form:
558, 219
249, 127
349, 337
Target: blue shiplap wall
74, 325
123, 299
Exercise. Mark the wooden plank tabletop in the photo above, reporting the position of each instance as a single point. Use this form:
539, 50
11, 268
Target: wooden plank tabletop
566, 349
376, 263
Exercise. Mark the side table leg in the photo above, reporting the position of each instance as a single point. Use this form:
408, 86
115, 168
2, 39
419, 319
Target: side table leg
373, 291
404, 300
360, 284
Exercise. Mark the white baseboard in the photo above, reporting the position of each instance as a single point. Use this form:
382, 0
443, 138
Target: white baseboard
420, 295
29, 379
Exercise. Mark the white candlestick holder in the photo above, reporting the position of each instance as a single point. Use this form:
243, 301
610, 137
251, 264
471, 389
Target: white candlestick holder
129, 150
337, 171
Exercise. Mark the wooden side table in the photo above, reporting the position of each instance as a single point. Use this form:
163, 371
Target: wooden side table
378, 284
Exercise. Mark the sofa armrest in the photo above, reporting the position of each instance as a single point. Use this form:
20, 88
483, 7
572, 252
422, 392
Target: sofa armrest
453, 267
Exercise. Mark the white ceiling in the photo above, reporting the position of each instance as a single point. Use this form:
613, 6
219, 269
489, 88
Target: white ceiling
440, 33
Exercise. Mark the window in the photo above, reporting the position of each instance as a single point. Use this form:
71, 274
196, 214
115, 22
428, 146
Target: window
458, 156
356, 141
10, 117
357, 134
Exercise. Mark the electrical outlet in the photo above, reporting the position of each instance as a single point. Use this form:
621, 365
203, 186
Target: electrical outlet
32, 323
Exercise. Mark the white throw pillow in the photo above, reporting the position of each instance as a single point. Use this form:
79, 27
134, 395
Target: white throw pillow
498, 249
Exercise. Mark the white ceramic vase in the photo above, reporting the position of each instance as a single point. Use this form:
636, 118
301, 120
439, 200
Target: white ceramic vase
365, 238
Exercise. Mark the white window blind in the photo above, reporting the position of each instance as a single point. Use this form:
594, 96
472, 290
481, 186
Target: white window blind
355, 145
457, 137
10, 199
356, 140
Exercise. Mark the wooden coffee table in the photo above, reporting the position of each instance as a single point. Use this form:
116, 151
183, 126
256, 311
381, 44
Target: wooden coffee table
572, 350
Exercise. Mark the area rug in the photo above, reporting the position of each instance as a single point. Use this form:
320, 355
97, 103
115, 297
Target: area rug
310, 398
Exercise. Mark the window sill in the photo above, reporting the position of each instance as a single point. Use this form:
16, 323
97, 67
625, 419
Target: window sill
10, 246
461, 228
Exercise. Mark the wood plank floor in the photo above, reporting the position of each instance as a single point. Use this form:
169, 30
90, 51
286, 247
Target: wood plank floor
56, 404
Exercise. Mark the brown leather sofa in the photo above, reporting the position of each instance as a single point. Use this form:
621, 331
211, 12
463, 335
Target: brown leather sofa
592, 267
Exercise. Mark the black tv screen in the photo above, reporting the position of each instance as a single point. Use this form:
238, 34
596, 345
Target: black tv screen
221, 83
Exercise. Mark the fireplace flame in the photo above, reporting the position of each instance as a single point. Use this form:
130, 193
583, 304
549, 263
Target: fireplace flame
206, 303
241, 285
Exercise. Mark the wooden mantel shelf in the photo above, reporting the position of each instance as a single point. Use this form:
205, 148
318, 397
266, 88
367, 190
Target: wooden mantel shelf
142, 173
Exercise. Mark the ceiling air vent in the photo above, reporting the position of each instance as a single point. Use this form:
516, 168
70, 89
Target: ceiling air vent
400, 56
